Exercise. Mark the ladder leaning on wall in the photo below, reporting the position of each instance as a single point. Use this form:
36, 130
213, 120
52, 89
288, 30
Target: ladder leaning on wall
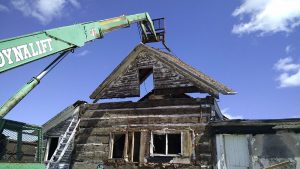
64, 143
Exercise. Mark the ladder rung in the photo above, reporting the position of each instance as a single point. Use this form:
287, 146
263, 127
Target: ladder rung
63, 144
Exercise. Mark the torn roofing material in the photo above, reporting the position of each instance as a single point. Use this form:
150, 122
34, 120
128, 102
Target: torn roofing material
256, 126
199, 79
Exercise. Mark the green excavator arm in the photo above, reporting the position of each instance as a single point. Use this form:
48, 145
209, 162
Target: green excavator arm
21, 50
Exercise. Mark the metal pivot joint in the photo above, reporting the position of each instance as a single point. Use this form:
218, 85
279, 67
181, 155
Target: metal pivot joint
147, 35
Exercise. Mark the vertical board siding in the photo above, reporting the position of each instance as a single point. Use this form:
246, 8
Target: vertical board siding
221, 163
236, 151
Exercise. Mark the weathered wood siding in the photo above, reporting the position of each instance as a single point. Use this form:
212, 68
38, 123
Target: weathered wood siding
58, 131
128, 84
100, 121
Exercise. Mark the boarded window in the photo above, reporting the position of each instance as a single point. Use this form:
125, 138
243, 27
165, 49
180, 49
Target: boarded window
166, 144
118, 145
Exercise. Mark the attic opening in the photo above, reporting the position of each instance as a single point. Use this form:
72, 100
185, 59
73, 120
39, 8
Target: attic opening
146, 81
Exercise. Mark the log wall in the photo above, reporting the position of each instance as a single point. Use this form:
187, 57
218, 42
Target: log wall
100, 122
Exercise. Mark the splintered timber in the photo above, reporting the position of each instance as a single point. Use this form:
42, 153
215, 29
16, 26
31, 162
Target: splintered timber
23, 52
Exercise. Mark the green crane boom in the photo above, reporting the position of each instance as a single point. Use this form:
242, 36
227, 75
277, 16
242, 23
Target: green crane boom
24, 49
21, 50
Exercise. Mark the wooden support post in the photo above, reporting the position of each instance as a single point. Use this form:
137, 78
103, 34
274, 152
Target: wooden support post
143, 145
19, 145
40, 153
125, 154
111, 144
132, 147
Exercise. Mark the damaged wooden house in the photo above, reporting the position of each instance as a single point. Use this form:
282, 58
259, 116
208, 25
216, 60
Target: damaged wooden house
165, 128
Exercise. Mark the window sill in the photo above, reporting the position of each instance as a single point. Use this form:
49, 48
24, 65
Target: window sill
164, 155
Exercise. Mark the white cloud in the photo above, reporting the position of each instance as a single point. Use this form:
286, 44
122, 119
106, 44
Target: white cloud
267, 16
83, 53
230, 116
289, 72
75, 3
43, 10
286, 64
3, 8
288, 49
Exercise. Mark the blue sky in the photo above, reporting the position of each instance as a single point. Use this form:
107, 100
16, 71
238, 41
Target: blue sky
250, 46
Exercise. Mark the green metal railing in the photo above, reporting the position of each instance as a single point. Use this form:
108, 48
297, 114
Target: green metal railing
20, 142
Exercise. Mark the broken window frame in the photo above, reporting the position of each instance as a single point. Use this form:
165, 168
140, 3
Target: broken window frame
129, 146
111, 144
152, 154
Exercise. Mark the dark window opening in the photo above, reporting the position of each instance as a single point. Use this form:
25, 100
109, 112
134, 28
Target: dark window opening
167, 144
52, 147
159, 143
136, 148
118, 146
174, 143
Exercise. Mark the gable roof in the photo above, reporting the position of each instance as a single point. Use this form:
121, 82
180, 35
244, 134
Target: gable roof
62, 116
198, 78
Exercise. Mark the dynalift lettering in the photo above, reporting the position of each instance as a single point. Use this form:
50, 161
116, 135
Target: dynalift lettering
23, 52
